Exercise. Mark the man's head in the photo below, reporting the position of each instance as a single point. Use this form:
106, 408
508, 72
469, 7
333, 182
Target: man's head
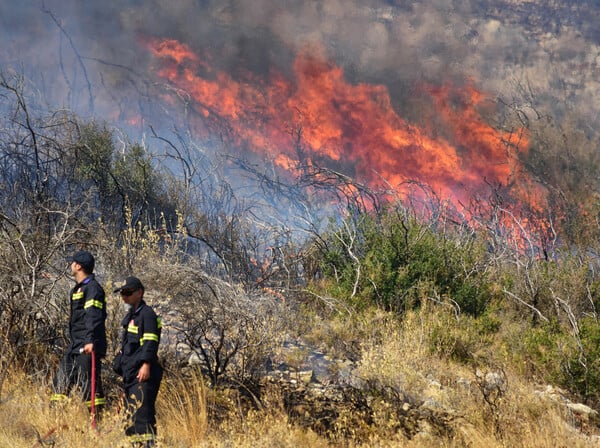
84, 259
132, 290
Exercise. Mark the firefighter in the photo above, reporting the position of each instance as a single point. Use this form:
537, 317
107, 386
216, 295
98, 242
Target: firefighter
87, 331
137, 362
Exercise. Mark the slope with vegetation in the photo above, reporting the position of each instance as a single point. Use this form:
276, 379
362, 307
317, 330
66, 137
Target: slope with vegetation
429, 332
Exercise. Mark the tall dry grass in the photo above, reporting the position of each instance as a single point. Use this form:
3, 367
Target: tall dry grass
28, 419
409, 355
409, 360
182, 410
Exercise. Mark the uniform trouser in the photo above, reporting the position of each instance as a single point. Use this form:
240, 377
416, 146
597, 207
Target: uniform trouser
76, 370
140, 401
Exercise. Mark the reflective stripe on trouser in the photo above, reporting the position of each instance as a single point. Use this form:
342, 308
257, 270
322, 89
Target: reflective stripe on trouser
99, 401
58, 397
76, 370
139, 438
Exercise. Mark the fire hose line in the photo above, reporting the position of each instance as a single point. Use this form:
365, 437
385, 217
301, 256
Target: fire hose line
93, 392
93, 389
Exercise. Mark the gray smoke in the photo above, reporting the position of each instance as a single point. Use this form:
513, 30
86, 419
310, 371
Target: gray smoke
88, 55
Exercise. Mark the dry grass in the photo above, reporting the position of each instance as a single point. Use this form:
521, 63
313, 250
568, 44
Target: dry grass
29, 421
182, 405
263, 429
403, 355
514, 416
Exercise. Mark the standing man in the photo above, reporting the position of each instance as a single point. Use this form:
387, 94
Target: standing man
87, 331
138, 362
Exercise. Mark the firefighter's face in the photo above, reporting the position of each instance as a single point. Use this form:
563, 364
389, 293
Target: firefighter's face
131, 297
74, 268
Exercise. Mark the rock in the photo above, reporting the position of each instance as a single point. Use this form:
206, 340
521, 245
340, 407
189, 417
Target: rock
194, 359
305, 377
585, 412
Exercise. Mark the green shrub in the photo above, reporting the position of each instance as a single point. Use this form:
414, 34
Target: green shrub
582, 370
543, 348
393, 261
554, 356
462, 339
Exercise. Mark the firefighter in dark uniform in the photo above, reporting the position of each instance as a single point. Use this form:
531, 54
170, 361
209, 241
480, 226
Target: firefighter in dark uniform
137, 362
87, 331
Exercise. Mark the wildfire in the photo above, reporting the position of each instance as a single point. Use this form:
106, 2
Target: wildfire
353, 127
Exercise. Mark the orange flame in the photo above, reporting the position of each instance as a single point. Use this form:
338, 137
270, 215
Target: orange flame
353, 127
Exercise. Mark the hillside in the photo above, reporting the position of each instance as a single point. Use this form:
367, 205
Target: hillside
363, 223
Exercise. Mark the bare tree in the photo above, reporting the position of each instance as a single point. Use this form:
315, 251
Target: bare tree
231, 332
37, 222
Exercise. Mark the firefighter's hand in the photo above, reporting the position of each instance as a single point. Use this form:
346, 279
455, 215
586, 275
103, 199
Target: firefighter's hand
144, 373
88, 348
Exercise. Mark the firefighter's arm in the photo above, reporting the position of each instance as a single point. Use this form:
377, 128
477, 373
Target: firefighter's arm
93, 306
149, 337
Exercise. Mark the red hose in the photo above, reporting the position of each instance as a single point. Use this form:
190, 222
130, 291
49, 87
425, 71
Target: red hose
93, 407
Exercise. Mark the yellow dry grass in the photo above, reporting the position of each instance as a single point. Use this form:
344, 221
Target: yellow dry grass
399, 354
29, 421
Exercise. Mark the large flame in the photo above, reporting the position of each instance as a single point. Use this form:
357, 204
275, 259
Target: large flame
353, 127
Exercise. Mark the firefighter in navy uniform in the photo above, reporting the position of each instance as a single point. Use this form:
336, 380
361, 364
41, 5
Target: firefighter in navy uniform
137, 362
87, 330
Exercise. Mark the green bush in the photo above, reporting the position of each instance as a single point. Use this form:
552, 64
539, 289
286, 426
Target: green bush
462, 339
583, 367
554, 355
544, 349
393, 261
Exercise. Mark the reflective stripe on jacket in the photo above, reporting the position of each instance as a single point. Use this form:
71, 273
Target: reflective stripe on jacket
88, 316
141, 337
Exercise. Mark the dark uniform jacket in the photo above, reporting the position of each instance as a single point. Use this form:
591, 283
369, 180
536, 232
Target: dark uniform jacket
88, 316
141, 336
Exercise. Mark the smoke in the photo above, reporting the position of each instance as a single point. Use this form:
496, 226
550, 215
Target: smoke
386, 92
71, 46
